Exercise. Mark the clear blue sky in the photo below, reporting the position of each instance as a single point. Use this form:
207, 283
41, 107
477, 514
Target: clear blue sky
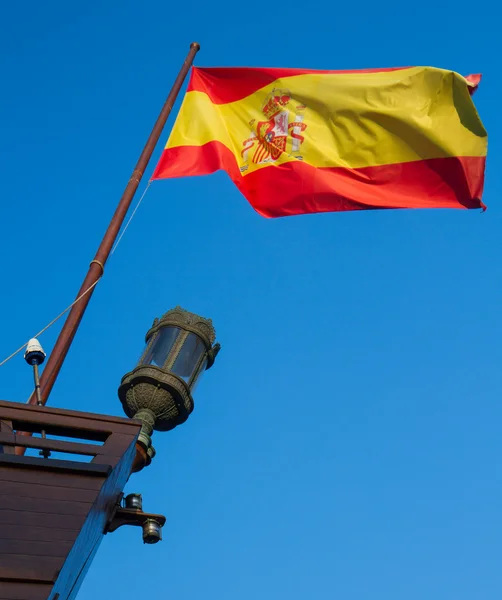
347, 442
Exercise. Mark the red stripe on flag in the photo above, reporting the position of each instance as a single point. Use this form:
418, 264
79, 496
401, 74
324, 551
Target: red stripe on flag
224, 85
297, 188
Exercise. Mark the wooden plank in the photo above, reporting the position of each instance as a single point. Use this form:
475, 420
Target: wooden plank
24, 591
50, 478
6, 427
7, 437
27, 519
43, 505
26, 568
117, 444
34, 533
48, 492
35, 548
59, 430
50, 444
57, 465
87, 429
115, 448
49, 410
84, 425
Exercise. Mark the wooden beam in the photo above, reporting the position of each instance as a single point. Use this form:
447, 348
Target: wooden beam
100, 470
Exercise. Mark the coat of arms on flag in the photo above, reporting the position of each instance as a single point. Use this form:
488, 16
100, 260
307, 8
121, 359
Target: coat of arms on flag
283, 126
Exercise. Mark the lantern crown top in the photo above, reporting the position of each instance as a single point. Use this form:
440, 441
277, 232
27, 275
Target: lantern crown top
179, 317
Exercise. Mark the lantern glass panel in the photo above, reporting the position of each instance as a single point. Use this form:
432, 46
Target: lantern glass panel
198, 376
161, 346
189, 357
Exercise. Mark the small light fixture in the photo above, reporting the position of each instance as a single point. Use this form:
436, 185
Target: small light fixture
152, 532
133, 502
179, 349
35, 356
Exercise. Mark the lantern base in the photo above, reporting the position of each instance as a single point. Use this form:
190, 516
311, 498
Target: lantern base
165, 396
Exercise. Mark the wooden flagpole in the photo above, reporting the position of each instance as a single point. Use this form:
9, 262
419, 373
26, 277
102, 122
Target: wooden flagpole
96, 268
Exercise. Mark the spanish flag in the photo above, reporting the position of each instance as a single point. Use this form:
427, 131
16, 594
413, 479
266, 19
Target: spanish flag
298, 141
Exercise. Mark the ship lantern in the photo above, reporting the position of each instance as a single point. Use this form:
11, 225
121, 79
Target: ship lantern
179, 349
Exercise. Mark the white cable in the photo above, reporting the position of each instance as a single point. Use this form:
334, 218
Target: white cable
86, 291
130, 218
50, 324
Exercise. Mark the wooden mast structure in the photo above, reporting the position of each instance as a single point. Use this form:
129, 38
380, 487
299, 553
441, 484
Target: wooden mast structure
54, 513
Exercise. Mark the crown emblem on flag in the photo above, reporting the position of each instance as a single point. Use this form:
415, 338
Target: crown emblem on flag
276, 101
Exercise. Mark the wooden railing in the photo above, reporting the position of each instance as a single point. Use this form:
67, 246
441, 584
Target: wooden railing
54, 512
114, 435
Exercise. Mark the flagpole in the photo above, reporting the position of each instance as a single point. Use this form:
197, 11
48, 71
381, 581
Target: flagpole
96, 268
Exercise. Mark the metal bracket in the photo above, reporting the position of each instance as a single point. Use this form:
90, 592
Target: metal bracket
131, 513
130, 516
